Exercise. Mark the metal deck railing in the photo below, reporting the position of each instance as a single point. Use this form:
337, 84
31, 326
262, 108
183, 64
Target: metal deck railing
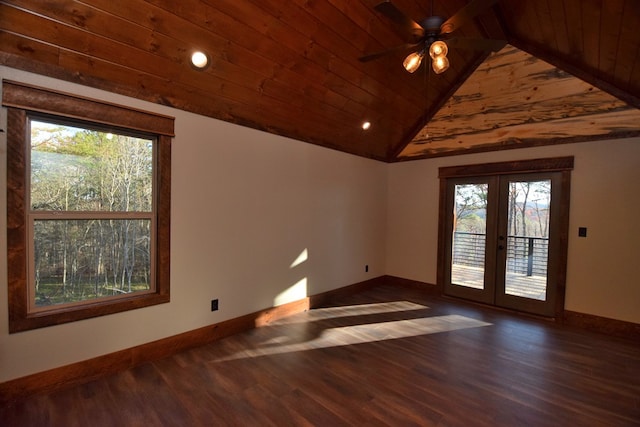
525, 254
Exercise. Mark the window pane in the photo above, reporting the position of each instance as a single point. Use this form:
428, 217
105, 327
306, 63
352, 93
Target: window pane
528, 239
79, 260
469, 235
74, 169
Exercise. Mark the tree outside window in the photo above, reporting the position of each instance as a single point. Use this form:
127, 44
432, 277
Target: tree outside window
91, 212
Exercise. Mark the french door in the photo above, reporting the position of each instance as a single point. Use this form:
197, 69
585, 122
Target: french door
503, 240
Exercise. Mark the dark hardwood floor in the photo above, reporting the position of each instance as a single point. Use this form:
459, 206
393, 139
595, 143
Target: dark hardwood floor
386, 356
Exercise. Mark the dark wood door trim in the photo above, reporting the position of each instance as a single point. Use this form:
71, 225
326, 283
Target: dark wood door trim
506, 168
559, 164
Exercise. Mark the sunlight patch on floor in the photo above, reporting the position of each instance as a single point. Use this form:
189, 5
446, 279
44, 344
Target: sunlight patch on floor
356, 333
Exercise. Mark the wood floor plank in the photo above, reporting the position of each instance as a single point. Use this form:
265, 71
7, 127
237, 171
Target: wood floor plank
385, 356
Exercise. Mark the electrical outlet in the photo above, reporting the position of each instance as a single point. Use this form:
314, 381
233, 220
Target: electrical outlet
214, 304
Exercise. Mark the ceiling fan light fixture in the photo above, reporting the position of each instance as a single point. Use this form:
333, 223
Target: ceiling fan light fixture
412, 62
438, 48
440, 64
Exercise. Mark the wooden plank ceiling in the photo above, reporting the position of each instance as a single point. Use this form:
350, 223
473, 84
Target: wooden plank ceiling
291, 67
514, 99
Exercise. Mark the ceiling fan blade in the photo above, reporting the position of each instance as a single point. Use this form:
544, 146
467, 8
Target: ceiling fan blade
402, 21
467, 13
377, 55
477, 44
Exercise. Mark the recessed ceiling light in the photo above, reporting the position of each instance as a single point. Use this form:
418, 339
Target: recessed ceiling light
200, 60
366, 125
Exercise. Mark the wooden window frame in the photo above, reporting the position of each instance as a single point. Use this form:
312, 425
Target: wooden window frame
21, 100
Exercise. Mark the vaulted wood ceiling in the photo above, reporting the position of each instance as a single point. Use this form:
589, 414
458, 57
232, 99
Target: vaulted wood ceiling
292, 68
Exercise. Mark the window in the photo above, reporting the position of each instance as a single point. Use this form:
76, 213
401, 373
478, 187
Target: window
88, 201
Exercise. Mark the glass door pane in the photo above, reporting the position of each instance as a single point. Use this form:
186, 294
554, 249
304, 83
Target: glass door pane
468, 241
527, 239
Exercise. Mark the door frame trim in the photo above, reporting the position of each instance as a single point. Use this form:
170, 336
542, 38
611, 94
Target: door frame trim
555, 164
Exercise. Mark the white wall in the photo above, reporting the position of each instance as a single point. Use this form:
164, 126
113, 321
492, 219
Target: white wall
603, 276
245, 206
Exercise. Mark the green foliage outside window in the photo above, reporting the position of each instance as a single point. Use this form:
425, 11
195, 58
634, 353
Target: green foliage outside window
91, 199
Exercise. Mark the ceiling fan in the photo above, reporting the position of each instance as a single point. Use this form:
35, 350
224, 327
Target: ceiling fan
432, 35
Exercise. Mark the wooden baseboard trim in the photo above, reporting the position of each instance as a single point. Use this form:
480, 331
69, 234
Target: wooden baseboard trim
323, 298
91, 369
613, 327
428, 288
